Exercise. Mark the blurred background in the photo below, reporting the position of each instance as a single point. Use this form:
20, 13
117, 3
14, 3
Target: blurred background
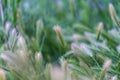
74, 17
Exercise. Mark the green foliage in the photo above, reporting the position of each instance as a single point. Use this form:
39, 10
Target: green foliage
59, 40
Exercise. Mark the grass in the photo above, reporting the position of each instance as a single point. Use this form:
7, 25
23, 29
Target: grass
59, 40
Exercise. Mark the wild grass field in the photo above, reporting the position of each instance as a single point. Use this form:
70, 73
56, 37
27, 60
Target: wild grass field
59, 40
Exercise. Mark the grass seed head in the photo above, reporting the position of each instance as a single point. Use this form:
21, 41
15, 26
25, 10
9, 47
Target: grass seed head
113, 15
2, 74
100, 26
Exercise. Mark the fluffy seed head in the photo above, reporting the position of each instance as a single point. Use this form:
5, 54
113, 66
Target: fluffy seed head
100, 26
112, 10
38, 56
107, 64
57, 28
2, 74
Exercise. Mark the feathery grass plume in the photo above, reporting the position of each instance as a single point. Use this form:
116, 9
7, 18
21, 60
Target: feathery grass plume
7, 27
71, 75
38, 56
114, 15
39, 29
75, 48
82, 52
64, 66
58, 31
81, 48
22, 64
2, 75
18, 65
21, 43
38, 62
48, 71
100, 26
106, 66
12, 38
84, 48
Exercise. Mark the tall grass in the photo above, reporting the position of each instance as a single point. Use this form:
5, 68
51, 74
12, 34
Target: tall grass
59, 40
